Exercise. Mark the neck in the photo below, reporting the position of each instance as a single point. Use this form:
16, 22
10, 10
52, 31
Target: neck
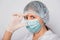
40, 33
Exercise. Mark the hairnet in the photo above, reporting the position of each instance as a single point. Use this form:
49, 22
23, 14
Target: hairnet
39, 8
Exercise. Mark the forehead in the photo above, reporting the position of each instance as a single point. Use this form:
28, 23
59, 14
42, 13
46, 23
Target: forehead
31, 13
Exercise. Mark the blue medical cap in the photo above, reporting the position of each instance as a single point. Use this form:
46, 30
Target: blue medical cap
39, 8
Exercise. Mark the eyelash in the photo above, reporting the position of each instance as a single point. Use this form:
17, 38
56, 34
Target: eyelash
32, 16
26, 17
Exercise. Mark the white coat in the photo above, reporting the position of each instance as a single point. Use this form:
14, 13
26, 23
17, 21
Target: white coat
49, 35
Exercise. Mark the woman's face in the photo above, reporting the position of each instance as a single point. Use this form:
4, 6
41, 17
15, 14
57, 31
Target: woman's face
31, 16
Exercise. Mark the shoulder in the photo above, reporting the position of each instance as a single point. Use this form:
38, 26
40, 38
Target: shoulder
49, 35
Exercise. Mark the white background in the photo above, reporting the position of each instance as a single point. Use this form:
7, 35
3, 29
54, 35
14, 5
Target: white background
8, 7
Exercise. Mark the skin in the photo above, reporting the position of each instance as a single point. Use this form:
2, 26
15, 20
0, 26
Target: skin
29, 16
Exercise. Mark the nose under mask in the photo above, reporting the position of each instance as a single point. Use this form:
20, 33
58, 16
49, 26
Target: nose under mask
33, 26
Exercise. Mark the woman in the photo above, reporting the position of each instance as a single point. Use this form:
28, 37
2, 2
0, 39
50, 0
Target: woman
36, 17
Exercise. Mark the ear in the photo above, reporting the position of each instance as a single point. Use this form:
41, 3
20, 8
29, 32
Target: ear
41, 21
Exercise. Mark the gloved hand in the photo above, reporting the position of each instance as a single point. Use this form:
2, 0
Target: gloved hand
15, 22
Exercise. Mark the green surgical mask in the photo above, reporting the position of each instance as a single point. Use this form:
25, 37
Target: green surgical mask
33, 25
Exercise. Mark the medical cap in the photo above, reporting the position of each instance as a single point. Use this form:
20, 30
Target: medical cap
39, 8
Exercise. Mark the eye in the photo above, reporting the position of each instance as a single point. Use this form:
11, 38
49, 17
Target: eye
32, 17
25, 17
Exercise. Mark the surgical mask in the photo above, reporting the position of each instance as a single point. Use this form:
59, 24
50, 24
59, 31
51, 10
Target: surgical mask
33, 25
